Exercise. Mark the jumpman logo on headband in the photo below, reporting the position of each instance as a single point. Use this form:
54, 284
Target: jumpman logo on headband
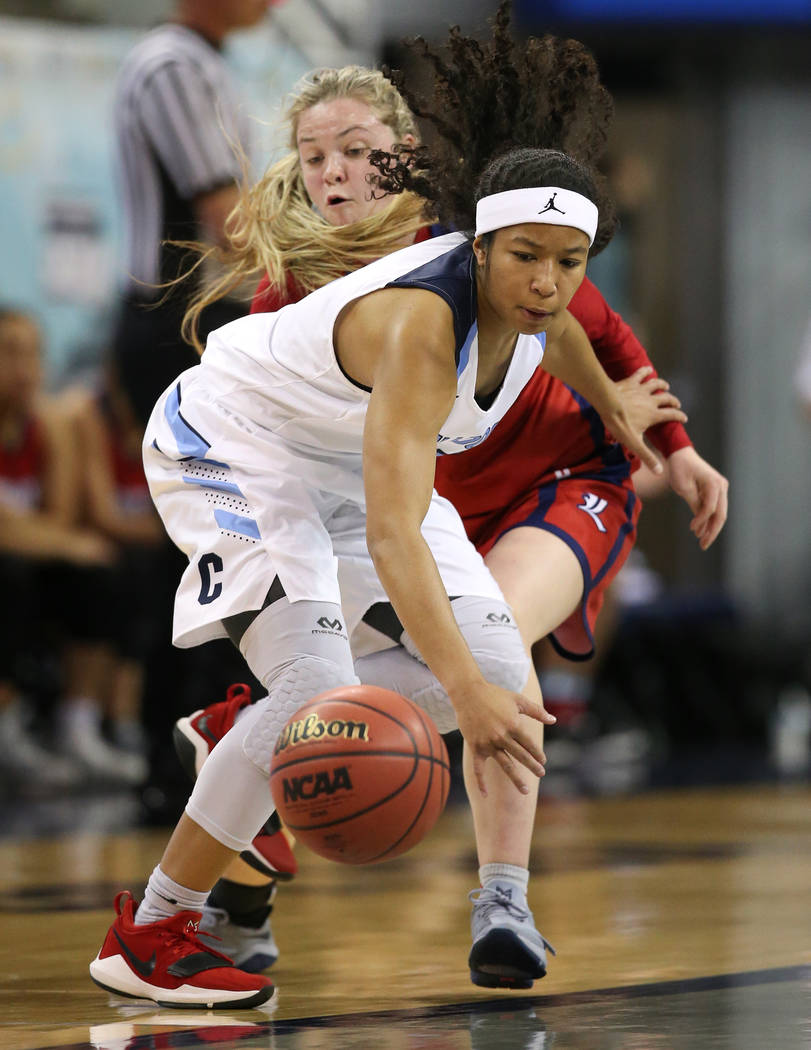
550, 206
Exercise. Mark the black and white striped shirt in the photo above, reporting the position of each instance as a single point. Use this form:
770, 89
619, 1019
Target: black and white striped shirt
177, 117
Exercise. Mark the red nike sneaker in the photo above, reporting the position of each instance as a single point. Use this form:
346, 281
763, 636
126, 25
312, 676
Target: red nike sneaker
194, 738
165, 962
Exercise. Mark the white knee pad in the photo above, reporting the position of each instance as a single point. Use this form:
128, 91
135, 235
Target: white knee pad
299, 682
288, 631
398, 670
297, 650
488, 628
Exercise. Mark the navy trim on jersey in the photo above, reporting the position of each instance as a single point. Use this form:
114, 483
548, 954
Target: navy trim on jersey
611, 453
452, 277
617, 470
624, 529
347, 376
537, 519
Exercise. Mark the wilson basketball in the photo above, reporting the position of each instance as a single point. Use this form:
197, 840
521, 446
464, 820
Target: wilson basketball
360, 774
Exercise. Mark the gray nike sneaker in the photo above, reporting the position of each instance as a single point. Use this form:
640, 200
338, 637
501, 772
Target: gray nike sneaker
252, 948
507, 952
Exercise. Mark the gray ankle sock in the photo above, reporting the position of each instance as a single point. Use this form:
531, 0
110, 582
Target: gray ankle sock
505, 873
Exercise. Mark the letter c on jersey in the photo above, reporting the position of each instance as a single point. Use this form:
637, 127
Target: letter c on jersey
210, 589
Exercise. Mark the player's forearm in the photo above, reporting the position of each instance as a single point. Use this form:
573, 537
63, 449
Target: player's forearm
411, 579
142, 529
106, 516
33, 535
572, 360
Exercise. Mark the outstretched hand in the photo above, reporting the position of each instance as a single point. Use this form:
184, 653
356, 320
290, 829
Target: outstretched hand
643, 402
648, 401
703, 489
491, 724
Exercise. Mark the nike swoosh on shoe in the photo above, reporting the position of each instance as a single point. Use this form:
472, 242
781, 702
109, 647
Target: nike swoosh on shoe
144, 966
202, 728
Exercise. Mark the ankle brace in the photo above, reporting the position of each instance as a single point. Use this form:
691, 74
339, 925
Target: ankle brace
245, 905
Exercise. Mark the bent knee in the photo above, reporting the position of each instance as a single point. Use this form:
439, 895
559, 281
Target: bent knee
290, 688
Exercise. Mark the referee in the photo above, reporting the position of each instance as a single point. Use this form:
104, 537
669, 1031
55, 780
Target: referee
177, 121
178, 117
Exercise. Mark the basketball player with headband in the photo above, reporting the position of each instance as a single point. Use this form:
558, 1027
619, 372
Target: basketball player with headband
308, 434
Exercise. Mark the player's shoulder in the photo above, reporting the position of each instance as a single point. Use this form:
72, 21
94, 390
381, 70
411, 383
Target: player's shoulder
399, 265
447, 276
447, 257
418, 308
383, 273
244, 329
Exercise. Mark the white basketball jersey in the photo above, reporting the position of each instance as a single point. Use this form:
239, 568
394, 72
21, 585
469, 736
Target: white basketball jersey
254, 456
280, 370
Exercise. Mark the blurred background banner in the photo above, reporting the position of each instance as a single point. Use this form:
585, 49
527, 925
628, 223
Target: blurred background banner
58, 210
57, 197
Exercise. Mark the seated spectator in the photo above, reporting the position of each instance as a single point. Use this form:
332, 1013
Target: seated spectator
114, 501
55, 579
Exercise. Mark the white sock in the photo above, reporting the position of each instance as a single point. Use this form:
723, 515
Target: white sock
512, 873
164, 898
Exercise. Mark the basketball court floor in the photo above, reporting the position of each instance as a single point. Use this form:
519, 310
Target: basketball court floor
681, 918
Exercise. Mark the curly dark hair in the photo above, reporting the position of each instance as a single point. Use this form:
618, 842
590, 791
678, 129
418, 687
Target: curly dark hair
505, 113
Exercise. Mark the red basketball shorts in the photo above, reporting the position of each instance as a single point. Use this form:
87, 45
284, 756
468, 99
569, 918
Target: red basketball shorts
597, 520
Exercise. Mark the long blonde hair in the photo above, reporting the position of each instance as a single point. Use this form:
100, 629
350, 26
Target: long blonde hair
274, 229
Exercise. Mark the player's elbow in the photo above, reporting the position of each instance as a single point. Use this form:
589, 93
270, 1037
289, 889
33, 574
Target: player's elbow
381, 534
389, 534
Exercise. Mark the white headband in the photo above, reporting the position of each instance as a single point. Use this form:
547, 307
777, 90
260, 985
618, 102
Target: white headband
539, 204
